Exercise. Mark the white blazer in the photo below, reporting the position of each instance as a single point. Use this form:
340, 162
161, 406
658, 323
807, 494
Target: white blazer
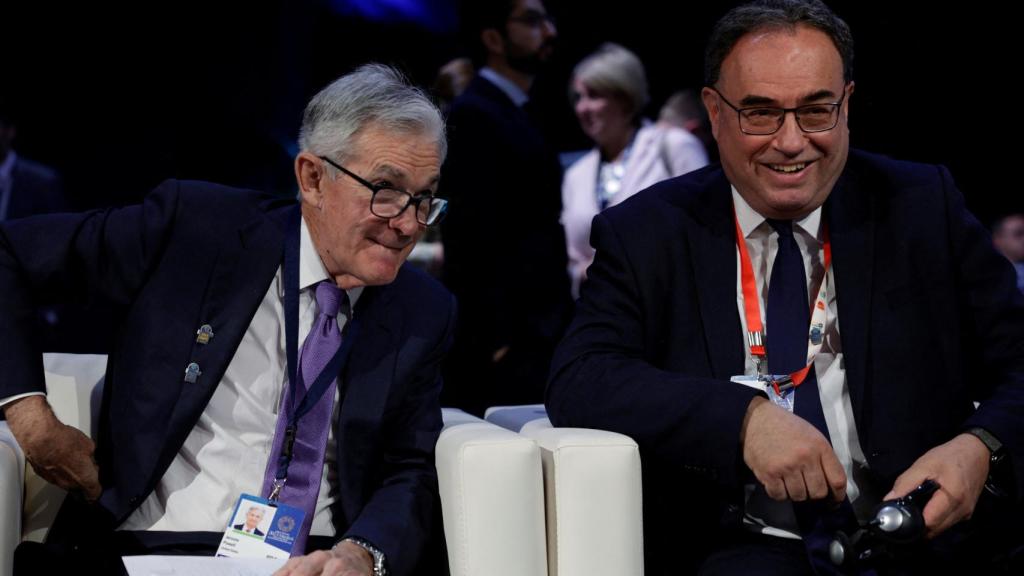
658, 153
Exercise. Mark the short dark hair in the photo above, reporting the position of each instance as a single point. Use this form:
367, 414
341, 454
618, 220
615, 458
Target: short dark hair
784, 14
479, 15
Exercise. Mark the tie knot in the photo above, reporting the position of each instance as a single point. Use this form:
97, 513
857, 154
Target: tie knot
329, 298
784, 228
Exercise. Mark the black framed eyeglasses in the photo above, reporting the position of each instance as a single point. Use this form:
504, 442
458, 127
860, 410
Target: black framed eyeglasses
766, 120
388, 202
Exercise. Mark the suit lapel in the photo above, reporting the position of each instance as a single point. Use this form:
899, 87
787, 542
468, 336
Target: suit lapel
713, 251
852, 232
366, 383
242, 273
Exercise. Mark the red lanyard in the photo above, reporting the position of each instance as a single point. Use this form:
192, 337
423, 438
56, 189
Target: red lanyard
752, 311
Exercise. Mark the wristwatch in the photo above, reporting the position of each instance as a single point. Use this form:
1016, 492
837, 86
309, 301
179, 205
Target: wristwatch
997, 454
995, 447
378, 557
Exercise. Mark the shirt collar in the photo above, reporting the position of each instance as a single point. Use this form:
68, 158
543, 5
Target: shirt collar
311, 268
514, 92
750, 219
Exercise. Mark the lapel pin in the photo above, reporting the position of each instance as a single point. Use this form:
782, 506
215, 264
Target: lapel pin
204, 334
192, 373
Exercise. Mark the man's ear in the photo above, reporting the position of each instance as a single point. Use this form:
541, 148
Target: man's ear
713, 106
846, 104
310, 174
493, 41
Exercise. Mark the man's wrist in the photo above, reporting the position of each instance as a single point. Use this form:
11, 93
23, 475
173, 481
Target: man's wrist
995, 483
995, 447
29, 417
379, 561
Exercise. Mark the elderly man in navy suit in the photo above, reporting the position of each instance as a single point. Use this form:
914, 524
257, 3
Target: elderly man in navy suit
207, 395
886, 315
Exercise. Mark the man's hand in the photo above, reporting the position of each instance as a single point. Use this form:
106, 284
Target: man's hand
960, 468
345, 559
789, 455
60, 454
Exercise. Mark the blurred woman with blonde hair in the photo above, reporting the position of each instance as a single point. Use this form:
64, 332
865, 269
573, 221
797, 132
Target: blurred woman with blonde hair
609, 92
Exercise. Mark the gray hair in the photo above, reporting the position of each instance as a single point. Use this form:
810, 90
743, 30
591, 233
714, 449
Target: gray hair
780, 14
615, 70
372, 94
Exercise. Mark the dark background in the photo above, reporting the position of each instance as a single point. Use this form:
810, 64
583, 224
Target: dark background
119, 98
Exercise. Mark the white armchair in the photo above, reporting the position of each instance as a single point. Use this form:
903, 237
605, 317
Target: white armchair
492, 499
593, 494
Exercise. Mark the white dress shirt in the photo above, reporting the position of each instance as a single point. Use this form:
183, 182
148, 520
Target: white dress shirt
226, 452
517, 95
762, 513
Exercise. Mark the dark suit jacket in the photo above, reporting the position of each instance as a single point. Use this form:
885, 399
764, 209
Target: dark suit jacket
929, 315
241, 526
504, 250
35, 189
196, 253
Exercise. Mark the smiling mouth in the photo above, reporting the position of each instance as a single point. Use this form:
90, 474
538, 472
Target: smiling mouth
789, 168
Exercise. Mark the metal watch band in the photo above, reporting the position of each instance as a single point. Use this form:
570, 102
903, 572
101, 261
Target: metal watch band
378, 557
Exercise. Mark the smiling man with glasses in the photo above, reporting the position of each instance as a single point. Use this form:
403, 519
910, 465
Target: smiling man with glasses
801, 332
271, 348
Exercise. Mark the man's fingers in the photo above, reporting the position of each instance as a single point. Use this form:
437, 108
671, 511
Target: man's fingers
795, 487
939, 513
286, 570
775, 488
817, 484
310, 564
906, 482
91, 488
835, 476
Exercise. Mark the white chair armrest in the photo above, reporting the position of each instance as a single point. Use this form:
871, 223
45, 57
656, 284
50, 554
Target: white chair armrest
492, 499
12, 474
593, 498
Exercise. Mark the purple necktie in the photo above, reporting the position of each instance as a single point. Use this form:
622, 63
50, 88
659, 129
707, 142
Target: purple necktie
303, 483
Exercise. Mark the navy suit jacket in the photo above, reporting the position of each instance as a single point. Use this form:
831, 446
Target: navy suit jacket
929, 315
196, 253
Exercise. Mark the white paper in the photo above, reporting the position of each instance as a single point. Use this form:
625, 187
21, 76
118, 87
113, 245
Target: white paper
200, 566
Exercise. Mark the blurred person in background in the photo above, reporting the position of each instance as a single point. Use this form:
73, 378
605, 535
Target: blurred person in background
1008, 236
683, 109
504, 249
609, 91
